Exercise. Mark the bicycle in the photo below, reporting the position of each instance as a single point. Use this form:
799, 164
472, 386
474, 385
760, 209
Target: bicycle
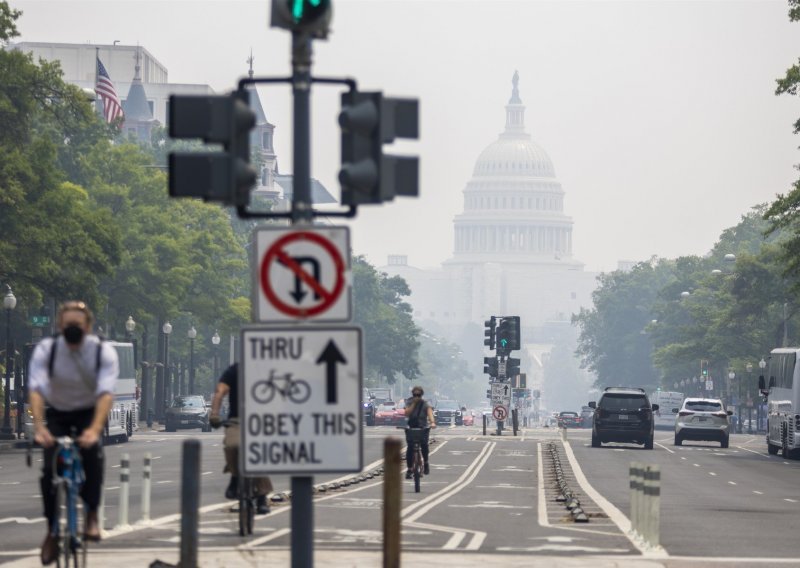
68, 478
296, 390
416, 434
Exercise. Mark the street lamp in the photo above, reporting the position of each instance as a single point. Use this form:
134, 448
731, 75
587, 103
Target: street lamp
192, 333
9, 303
685, 294
731, 377
749, 368
761, 365
215, 339
130, 326
166, 330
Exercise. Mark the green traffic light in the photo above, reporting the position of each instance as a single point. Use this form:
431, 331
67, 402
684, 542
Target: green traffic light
299, 11
504, 342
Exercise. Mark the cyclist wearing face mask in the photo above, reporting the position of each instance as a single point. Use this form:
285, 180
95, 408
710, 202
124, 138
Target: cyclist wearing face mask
75, 374
419, 414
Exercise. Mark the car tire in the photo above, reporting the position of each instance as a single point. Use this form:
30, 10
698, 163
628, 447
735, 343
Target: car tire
678, 440
725, 442
596, 443
772, 449
168, 427
648, 444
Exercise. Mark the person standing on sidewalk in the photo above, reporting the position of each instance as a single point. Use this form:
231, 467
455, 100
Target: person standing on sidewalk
75, 374
228, 385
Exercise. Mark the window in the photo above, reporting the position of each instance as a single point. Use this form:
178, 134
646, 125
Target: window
619, 401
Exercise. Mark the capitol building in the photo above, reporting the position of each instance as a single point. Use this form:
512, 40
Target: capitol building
513, 246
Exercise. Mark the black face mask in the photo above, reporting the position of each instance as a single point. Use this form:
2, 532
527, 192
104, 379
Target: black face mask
417, 395
73, 334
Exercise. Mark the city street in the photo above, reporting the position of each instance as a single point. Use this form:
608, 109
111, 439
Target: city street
485, 495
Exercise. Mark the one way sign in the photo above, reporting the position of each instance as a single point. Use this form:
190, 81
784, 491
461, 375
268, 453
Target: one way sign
300, 400
302, 274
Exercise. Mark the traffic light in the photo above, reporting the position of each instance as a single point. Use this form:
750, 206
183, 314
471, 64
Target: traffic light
311, 16
368, 121
703, 369
508, 334
512, 367
227, 176
490, 366
489, 332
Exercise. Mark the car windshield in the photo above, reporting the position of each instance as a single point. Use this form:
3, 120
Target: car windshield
623, 402
188, 403
703, 405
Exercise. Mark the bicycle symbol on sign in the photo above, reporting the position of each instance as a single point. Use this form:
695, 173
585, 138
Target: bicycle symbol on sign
296, 390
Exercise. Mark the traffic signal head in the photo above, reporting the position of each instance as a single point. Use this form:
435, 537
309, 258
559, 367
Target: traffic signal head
704, 369
490, 366
368, 121
512, 367
225, 176
508, 334
489, 332
311, 16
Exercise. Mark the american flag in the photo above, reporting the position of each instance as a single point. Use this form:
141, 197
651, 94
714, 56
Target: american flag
112, 108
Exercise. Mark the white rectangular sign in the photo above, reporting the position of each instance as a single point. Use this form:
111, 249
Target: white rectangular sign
501, 394
301, 274
300, 400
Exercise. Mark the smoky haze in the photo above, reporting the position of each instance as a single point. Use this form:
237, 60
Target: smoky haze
660, 117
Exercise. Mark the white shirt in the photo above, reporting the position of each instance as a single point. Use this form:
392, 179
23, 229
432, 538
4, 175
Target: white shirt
68, 389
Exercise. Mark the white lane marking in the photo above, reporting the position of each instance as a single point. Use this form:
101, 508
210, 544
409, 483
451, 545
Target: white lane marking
696, 464
112, 488
277, 534
753, 452
207, 473
758, 492
614, 514
791, 500
164, 481
10, 483
21, 520
156, 458
683, 457
732, 483
665, 447
711, 473
115, 466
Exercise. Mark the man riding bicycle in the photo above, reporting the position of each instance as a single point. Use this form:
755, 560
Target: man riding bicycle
227, 385
75, 374
419, 414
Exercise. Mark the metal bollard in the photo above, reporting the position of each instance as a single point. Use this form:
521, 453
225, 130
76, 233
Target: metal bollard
563, 434
392, 503
484, 424
635, 485
124, 489
514, 420
146, 481
652, 497
190, 502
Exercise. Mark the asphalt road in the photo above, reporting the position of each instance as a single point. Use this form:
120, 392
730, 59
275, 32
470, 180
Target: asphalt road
486, 494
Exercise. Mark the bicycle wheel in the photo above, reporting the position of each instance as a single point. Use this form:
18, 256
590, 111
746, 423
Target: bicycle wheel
417, 470
299, 391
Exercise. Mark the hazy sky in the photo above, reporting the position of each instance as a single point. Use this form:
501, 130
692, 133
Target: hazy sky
660, 117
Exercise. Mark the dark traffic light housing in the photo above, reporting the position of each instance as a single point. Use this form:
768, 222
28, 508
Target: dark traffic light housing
508, 336
368, 121
490, 366
309, 16
227, 176
489, 333
512, 367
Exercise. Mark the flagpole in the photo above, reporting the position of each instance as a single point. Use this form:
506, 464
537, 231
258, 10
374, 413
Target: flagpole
96, 79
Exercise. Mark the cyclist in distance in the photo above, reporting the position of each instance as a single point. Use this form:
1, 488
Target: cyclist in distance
74, 374
419, 414
227, 385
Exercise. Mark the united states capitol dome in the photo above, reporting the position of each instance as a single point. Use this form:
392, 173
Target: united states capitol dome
514, 153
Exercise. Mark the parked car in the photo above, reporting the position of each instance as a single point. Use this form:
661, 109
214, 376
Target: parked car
448, 412
569, 420
623, 414
187, 412
468, 416
400, 413
384, 413
703, 419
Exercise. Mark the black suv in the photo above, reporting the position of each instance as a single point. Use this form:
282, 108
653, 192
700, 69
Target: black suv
623, 414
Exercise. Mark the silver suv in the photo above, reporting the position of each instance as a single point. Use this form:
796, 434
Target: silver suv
702, 419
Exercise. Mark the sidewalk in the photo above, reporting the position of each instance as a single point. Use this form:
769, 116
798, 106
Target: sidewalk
227, 558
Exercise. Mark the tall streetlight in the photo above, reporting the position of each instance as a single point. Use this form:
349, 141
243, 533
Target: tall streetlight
761, 365
130, 327
9, 303
166, 329
192, 333
215, 339
731, 378
749, 368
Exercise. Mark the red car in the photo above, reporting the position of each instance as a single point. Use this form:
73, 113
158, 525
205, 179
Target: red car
469, 418
385, 413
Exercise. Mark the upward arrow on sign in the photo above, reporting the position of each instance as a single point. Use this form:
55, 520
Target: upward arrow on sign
331, 356
503, 342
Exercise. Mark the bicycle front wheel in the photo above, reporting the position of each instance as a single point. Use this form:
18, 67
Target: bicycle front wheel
417, 472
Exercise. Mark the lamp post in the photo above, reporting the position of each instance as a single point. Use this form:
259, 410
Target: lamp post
731, 378
749, 368
9, 303
215, 339
192, 333
166, 329
761, 365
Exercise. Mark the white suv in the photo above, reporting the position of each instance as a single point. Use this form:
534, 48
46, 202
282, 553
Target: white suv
702, 419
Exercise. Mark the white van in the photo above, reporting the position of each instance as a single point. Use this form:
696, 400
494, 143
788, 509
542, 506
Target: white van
668, 405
